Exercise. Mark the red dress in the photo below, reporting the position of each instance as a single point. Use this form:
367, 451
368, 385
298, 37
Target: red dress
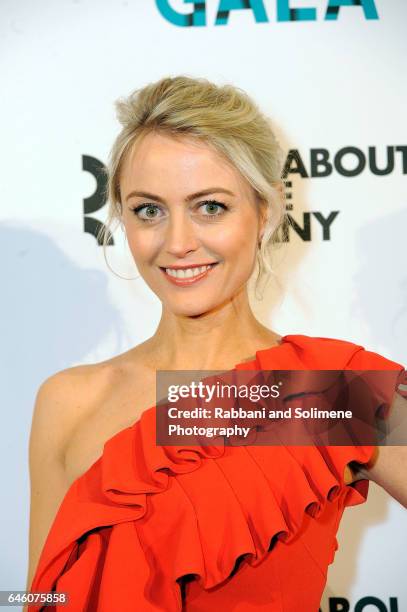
233, 528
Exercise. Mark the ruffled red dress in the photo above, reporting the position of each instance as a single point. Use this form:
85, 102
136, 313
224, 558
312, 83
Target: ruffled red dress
233, 528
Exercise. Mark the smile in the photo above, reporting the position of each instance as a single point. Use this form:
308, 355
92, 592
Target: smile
187, 276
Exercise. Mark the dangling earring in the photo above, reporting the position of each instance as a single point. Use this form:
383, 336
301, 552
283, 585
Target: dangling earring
110, 267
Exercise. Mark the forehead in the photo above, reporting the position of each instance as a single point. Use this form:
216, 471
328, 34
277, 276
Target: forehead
178, 163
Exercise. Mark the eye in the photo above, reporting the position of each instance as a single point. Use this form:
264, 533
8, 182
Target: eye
213, 204
149, 208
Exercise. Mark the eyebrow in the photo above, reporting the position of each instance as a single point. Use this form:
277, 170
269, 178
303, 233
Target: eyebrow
190, 197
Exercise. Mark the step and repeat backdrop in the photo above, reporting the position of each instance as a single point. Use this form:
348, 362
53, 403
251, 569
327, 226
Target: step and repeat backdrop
331, 76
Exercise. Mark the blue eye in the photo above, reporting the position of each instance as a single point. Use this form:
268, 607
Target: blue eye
137, 209
214, 203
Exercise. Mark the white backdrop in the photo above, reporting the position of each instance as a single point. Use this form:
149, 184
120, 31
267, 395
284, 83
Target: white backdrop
327, 83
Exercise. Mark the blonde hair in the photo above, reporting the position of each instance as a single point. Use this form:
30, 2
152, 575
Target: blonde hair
222, 116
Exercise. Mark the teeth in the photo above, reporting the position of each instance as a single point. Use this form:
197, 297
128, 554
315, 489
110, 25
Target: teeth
187, 273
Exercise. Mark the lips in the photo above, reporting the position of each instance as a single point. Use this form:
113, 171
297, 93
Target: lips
191, 266
190, 280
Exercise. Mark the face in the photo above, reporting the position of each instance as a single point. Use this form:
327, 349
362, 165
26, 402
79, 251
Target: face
184, 206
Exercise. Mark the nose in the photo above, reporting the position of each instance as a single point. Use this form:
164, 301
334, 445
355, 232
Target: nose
180, 236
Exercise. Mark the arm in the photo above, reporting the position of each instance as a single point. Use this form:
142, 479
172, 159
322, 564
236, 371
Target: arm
388, 466
51, 424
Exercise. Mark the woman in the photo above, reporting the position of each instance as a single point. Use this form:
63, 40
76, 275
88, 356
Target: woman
123, 523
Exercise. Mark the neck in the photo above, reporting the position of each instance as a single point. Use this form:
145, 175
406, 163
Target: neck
216, 339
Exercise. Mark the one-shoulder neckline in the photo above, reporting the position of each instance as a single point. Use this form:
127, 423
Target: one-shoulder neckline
146, 412
237, 366
278, 345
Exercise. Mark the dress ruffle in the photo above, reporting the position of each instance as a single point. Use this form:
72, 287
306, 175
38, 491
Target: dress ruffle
144, 516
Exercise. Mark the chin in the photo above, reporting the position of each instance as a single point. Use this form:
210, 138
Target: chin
190, 310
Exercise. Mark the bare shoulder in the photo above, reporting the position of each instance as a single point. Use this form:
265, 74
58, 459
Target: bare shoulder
64, 398
70, 394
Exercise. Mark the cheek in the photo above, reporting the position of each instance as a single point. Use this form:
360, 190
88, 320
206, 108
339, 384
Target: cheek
238, 239
142, 245
238, 248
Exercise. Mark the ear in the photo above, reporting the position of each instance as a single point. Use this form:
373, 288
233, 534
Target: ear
265, 209
279, 186
263, 217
